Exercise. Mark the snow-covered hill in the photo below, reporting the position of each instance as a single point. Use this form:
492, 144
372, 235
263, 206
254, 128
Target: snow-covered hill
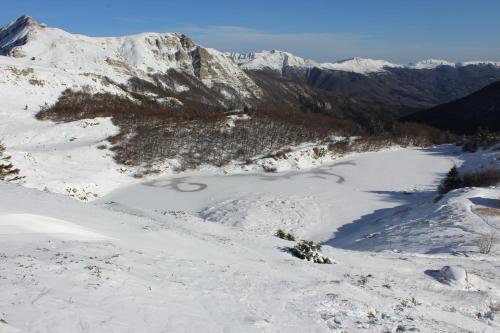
197, 253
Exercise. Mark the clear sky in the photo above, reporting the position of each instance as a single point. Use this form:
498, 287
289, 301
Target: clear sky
326, 30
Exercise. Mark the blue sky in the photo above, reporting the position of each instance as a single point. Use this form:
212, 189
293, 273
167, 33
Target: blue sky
326, 30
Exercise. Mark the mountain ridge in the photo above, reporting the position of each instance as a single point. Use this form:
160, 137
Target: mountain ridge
174, 70
466, 115
17, 32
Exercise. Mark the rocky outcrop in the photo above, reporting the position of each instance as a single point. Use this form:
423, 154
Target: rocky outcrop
16, 34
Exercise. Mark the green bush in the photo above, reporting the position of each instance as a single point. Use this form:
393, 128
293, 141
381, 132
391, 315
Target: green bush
283, 235
308, 250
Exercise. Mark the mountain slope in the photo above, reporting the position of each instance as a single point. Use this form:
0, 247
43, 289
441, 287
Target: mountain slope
465, 115
407, 88
120, 58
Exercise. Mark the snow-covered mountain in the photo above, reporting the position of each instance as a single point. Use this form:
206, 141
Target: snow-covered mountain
360, 65
274, 60
120, 58
430, 64
279, 60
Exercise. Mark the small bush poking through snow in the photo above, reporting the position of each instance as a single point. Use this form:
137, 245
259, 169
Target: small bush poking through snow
308, 250
486, 242
283, 235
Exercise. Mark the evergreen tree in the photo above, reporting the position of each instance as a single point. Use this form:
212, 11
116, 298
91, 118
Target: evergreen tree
452, 181
8, 172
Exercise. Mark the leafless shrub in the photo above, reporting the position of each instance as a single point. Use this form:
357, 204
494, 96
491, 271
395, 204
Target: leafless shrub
36, 82
482, 178
196, 134
340, 147
151, 133
482, 139
487, 242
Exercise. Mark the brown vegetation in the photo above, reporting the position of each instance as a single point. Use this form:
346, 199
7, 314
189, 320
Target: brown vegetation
195, 131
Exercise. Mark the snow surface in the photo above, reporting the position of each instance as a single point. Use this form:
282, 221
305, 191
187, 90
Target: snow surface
196, 253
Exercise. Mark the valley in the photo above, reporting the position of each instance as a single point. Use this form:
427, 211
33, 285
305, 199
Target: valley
152, 184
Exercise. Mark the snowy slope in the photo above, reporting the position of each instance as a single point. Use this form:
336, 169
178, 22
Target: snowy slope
39, 63
56, 157
148, 259
119, 57
452, 224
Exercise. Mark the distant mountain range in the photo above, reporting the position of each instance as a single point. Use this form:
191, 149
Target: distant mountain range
279, 61
191, 76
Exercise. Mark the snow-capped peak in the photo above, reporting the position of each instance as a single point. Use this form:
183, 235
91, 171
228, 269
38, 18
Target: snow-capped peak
274, 60
16, 33
360, 65
279, 60
430, 64
478, 63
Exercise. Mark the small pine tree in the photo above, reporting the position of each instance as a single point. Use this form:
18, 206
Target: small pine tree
8, 172
451, 182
